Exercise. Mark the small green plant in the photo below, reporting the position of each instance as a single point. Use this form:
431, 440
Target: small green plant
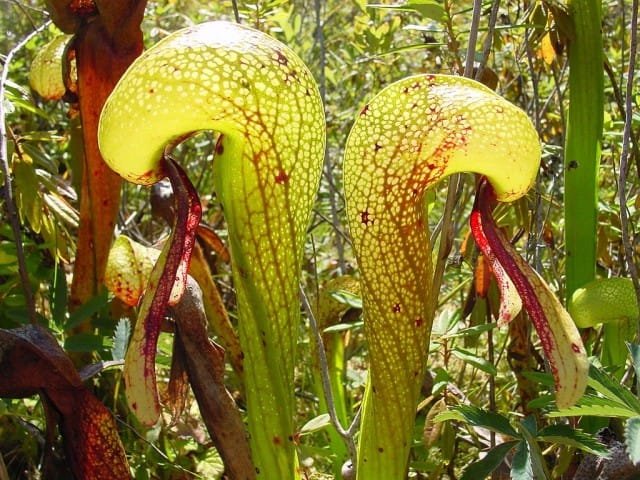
523, 439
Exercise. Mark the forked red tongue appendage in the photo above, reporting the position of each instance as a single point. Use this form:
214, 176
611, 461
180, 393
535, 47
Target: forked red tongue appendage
558, 334
166, 286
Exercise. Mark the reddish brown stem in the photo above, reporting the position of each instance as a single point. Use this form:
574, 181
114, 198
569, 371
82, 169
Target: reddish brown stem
205, 368
105, 47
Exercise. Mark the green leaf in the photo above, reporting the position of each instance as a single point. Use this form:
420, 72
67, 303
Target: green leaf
121, 339
341, 327
86, 310
566, 435
27, 106
8, 255
426, 8
596, 407
540, 377
612, 389
58, 205
543, 401
347, 298
521, 464
471, 331
491, 461
635, 356
473, 359
477, 417
59, 297
40, 158
84, 342
315, 424
407, 48
530, 424
211, 466
528, 429
632, 436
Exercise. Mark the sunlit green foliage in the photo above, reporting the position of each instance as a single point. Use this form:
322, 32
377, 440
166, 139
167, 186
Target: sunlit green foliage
473, 366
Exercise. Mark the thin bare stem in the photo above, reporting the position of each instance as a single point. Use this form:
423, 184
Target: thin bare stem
488, 40
236, 13
349, 433
328, 171
9, 204
25, 12
617, 95
533, 243
456, 182
473, 38
453, 42
492, 379
624, 156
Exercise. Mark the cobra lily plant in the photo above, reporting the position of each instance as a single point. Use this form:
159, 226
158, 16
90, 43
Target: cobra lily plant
264, 103
411, 135
262, 100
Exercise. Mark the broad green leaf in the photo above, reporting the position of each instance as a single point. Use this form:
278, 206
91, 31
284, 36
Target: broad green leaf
634, 349
521, 463
315, 424
347, 298
211, 466
342, 327
542, 378
632, 438
86, 310
28, 197
8, 255
40, 158
427, 8
471, 331
492, 460
58, 205
566, 435
597, 407
475, 360
542, 401
85, 342
528, 429
530, 424
476, 417
25, 104
612, 389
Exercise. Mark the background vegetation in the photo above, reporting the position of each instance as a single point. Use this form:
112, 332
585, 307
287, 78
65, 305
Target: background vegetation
354, 49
